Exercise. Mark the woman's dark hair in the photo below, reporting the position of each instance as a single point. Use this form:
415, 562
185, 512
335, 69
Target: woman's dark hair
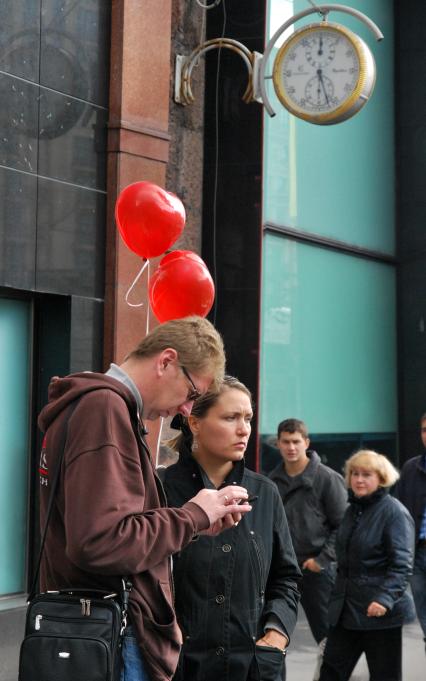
200, 409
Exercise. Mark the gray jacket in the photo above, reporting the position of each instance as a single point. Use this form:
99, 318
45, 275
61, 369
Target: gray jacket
315, 502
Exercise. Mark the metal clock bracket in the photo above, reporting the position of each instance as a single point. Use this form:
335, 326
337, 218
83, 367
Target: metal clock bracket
255, 62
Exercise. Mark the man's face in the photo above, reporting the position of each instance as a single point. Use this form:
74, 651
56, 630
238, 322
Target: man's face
175, 392
293, 447
423, 432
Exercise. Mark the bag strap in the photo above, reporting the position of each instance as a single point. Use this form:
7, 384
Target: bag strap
55, 481
125, 581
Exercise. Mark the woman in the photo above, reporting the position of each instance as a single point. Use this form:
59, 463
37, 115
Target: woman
374, 547
236, 594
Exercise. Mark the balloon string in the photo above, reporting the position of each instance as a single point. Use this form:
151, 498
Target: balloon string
134, 284
157, 454
148, 307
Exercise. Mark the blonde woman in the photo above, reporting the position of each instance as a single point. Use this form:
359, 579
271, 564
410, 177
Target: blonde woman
375, 547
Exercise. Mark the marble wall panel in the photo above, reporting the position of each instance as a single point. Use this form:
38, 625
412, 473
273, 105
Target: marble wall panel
70, 240
74, 42
20, 38
18, 123
72, 144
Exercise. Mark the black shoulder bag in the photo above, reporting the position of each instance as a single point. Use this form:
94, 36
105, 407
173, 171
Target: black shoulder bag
73, 634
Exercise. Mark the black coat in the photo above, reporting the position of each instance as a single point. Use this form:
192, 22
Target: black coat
411, 488
226, 587
375, 549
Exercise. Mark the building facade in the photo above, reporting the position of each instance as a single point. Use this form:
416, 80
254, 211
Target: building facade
315, 235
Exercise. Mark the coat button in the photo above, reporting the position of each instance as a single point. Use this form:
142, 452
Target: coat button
220, 650
226, 548
220, 598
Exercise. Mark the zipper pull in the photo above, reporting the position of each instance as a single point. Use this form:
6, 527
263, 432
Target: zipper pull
88, 607
83, 606
37, 622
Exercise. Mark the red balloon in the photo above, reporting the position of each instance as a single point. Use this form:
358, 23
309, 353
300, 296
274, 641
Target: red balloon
149, 218
181, 286
173, 255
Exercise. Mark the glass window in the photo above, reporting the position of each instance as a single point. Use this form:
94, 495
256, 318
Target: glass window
337, 180
14, 439
328, 353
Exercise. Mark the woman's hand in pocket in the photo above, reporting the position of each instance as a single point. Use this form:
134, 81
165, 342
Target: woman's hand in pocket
273, 639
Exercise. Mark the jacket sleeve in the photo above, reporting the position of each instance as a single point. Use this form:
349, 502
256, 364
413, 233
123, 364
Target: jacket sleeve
399, 545
334, 501
282, 593
112, 517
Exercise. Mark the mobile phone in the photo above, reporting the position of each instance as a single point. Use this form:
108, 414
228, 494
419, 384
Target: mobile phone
249, 500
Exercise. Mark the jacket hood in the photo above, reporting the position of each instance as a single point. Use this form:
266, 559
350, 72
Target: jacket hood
63, 391
314, 461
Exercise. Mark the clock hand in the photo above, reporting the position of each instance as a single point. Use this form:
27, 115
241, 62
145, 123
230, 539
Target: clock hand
319, 74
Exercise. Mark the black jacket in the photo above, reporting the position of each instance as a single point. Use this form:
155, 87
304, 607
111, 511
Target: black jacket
314, 502
226, 587
375, 548
411, 488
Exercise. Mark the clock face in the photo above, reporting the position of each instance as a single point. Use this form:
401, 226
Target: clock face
320, 69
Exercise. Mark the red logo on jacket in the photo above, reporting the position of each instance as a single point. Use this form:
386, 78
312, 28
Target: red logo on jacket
43, 468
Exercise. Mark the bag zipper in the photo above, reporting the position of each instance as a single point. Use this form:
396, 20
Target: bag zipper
39, 618
85, 606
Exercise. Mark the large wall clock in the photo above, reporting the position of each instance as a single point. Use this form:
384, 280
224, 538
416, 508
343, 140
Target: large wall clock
324, 73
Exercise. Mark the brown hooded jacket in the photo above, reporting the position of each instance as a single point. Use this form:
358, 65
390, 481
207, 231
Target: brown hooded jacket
110, 519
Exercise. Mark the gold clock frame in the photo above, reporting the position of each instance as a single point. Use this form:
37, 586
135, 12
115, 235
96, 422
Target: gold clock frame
358, 97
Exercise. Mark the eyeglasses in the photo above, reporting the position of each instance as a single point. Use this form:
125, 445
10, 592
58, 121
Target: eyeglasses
193, 394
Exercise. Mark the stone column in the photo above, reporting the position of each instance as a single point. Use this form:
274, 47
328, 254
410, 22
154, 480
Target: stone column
138, 148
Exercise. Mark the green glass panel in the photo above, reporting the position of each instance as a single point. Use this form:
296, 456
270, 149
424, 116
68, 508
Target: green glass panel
328, 352
14, 438
337, 180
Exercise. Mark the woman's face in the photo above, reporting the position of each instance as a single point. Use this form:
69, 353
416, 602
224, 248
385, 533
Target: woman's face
364, 481
223, 433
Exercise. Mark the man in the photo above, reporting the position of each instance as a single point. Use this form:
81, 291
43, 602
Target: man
315, 500
411, 491
110, 518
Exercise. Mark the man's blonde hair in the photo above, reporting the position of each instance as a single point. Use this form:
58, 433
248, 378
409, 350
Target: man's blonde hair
372, 461
198, 344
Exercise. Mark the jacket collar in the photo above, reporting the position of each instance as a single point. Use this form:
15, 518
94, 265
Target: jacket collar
369, 499
305, 478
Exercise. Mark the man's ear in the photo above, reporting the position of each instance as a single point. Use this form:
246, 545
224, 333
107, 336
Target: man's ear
166, 357
308, 442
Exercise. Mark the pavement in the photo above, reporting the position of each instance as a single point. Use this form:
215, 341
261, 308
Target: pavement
302, 655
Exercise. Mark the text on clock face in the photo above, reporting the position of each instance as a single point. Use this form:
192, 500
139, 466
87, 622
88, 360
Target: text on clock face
320, 71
